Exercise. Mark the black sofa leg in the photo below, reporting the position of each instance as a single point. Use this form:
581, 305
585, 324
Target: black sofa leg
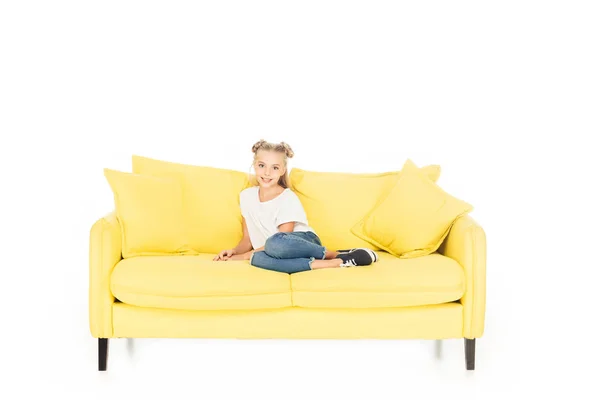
470, 353
102, 353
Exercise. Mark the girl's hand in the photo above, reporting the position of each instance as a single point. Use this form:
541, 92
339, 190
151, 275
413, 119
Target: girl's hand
224, 255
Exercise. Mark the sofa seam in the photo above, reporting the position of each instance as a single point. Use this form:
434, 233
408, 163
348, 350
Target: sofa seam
460, 287
354, 292
120, 287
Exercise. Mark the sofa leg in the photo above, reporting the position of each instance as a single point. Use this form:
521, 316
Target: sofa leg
102, 353
470, 353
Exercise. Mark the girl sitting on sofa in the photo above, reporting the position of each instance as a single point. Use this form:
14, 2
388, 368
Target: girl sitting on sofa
276, 231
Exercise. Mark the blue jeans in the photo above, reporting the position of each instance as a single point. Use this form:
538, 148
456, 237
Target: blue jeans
289, 252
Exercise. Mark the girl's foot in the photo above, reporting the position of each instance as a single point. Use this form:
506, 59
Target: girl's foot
359, 248
357, 257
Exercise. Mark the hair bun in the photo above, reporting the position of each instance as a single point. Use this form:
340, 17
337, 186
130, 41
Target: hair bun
288, 150
258, 145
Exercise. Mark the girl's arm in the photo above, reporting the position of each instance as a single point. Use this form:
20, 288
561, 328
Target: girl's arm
245, 245
287, 227
243, 250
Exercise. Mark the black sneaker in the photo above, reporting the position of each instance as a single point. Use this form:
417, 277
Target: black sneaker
357, 257
359, 248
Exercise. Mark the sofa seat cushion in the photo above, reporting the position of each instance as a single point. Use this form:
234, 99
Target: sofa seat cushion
390, 282
198, 283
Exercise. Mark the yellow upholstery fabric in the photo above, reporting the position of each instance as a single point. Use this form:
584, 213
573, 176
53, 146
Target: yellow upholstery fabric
198, 283
432, 172
414, 218
104, 254
211, 201
390, 282
437, 296
150, 213
442, 321
329, 209
466, 243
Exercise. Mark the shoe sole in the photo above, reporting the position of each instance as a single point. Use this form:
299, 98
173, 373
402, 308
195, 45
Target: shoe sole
373, 255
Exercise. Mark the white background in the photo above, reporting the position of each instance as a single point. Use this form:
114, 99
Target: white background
505, 96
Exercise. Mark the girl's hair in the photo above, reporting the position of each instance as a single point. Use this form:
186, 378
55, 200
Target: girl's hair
282, 147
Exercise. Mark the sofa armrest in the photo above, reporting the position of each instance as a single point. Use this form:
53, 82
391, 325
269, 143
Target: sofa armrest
466, 243
105, 253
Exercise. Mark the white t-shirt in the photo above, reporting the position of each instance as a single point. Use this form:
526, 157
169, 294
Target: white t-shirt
263, 218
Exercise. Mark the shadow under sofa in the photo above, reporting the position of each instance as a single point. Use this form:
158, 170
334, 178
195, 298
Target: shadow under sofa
439, 296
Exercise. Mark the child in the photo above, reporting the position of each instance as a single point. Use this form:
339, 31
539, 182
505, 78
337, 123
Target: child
276, 231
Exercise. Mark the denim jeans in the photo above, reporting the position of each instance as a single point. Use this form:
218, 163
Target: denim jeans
289, 252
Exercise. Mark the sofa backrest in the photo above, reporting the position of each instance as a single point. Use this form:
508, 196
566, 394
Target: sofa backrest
334, 202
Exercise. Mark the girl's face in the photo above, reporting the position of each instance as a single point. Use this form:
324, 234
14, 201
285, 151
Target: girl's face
268, 168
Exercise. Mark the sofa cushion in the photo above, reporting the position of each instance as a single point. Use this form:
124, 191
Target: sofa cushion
390, 282
211, 201
150, 213
198, 283
332, 212
414, 218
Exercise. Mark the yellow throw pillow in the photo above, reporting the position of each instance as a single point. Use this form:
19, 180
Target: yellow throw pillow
432, 172
332, 212
211, 201
150, 213
414, 218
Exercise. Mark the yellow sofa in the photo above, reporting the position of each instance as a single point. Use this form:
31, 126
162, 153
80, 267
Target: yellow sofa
187, 295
